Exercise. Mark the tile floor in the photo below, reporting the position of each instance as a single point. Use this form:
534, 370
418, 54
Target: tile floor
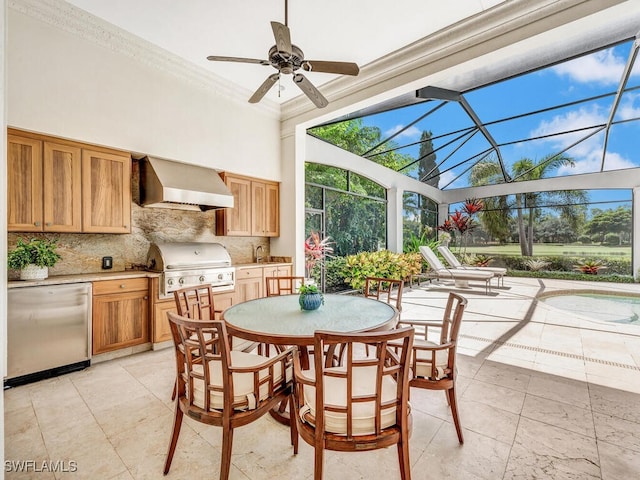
544, 394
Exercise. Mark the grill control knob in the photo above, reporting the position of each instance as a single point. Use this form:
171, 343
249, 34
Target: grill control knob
181, 281
201, 278
170, 282
221, 276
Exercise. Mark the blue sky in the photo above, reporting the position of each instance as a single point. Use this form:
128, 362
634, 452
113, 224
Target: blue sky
584, 77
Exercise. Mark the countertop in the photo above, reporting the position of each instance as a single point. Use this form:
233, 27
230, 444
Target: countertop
82, 277
97, 276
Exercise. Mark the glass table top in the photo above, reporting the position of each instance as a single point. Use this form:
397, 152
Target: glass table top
282, 315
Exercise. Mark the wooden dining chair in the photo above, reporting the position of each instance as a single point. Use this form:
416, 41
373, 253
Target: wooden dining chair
223, 387
197, 303
283, 285
386, 290
433, 364
362, 404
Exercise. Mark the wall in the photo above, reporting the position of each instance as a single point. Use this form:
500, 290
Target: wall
72, 85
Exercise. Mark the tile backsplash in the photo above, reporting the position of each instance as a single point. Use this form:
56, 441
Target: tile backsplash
83, 252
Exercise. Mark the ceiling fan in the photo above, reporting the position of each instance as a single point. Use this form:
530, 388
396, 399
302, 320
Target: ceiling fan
287, 58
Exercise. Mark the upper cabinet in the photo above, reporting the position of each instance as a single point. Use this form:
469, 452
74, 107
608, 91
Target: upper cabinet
256, 211
106, 196
55, 185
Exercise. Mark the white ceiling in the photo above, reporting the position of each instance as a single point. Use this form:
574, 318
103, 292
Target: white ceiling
334, 30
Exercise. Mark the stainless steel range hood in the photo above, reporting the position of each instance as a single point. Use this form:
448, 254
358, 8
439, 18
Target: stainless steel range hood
168, 184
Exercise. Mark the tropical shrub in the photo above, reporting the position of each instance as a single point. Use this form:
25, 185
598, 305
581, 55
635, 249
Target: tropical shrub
584, 239
383, 264
612, 239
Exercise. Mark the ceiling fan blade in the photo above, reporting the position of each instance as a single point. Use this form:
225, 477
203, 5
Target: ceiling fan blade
283, 37
342, 68
264, 88
216, 58
310, 91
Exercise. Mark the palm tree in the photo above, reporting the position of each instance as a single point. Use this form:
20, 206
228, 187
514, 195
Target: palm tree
526, 204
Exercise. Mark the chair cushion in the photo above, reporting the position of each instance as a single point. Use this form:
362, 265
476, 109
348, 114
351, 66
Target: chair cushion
424, 359
335, 393
242, 382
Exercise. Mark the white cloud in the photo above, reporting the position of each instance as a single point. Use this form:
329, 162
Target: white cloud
601, 67
588, 153
411, 132
627, 109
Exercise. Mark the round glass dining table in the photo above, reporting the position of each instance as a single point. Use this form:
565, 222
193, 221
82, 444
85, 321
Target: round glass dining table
279, 320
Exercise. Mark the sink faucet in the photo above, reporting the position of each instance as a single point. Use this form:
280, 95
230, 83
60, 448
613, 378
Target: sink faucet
258, 255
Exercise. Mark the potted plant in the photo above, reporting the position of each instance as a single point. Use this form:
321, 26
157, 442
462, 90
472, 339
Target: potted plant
310, 297
33, 258
316, 250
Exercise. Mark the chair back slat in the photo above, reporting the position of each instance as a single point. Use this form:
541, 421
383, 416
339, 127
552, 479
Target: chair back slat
385, 289
196, 302
285, 285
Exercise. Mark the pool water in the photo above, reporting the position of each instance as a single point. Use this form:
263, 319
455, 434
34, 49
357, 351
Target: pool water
608, 308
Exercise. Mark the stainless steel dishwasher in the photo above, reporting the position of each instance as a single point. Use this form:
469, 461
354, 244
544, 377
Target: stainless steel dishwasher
48, 331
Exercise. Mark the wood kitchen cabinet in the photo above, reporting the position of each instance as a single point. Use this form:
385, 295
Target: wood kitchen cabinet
256, 210
249, 284
161, 332
44, 186
106, 198
276, 271
56, 185
120, 314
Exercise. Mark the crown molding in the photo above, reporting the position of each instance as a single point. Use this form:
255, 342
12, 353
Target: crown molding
82, 24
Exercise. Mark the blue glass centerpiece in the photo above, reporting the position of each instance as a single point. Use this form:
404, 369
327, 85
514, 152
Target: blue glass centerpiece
310, 297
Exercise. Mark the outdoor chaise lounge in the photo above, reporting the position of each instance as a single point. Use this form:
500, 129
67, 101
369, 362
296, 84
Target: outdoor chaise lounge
451, 259
460, 276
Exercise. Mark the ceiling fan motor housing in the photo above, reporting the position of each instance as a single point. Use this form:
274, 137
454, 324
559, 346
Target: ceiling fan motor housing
286, 63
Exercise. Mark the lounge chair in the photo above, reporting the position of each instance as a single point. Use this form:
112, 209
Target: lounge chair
451, 259
460, 276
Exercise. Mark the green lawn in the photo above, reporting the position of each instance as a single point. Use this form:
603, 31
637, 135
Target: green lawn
553, 250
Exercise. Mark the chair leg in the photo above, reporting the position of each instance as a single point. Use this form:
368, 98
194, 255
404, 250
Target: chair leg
319, 460
293, 418
175, 390
403, 458
454, 413
227, 443
177, 423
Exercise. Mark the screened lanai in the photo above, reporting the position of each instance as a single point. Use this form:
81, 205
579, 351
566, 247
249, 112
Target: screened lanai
551, 132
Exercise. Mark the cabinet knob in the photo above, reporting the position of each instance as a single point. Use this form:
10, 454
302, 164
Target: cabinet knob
37, 224
146, 297
48, 224
123, 286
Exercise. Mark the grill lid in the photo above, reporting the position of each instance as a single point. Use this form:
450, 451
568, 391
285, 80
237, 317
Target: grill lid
186, 256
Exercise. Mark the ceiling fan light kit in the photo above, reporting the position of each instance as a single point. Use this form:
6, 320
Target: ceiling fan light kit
287, 59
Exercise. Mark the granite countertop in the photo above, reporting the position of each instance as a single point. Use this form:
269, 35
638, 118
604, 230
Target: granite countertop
82, 277
97, 276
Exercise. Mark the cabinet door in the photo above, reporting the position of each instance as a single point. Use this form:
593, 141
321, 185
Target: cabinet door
161, 328
237, 220
120, 320
258, 209
272, 210
222, 301
106, 194
24, 184
62, 188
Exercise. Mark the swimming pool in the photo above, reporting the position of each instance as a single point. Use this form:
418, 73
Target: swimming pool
604, 306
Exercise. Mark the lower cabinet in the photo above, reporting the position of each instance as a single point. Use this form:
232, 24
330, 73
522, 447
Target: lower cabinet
249, 284
120, 314
160, 330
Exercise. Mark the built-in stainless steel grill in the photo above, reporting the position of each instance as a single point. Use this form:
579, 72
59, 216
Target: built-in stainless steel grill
187, 264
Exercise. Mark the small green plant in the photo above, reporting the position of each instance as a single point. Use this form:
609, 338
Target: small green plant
311, 289
537, 264
41, 253
305, 289
481, 260
590, 267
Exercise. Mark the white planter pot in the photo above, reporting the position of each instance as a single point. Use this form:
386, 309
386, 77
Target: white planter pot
33, 272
